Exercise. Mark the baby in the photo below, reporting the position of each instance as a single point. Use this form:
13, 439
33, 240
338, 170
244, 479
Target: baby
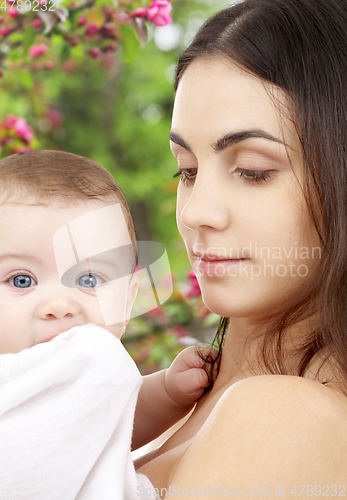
68, 388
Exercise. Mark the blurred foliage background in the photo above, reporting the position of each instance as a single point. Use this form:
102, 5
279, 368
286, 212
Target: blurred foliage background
118, 114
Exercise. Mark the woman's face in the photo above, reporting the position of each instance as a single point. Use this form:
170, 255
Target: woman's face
239, 203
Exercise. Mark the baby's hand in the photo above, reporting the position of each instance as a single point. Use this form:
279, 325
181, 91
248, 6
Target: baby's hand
185, 379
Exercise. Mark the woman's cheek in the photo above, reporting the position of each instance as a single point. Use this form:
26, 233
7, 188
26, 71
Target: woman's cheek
179, 209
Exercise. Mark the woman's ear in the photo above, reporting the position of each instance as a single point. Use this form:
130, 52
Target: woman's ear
131, 296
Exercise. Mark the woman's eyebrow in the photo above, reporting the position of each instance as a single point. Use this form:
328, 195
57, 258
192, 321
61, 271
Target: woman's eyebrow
178, 140
235, 137
230, 139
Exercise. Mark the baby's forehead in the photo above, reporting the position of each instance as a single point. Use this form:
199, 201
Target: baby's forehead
66, 209
89, 234
98, 230
91, 227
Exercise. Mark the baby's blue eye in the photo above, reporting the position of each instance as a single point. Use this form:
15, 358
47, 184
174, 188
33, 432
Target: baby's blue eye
88, 281
22, 281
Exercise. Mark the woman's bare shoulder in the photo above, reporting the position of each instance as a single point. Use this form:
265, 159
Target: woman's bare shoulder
288, 391
268, 431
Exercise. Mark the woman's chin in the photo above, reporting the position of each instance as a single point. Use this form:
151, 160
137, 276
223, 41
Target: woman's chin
230, 307
225, 307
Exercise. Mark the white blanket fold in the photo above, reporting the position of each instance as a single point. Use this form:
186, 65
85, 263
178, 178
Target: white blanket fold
66, 420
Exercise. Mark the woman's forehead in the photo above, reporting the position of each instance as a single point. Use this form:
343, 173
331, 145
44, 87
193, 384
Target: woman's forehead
215, 97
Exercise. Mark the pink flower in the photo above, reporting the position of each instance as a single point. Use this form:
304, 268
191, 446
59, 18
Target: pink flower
20, 127
95, 53
10, 121
55, 117
108, 31
159, 12
13, 12
81, 20
111, 48
5, 31
92, 29
194, 290
49, 65
37, 23
141, 12
37, 50
23, 130
73, 43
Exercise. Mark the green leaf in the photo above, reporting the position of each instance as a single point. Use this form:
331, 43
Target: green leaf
15, 55
29, 35
103, 3
77, 51
131, 44
65, 52
25, 79
16, 37
57, 39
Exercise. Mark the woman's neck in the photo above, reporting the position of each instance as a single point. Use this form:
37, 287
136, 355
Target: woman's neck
237, 359
233, 363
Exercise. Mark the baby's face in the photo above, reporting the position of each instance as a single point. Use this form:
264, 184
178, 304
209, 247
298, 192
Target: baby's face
49, 280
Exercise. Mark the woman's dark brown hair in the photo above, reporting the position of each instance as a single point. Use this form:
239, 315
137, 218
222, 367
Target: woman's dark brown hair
299, 46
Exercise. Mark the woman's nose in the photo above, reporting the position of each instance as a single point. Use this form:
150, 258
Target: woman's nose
58, 305
203, 205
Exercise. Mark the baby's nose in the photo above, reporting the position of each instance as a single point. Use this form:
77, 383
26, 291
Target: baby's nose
59, 305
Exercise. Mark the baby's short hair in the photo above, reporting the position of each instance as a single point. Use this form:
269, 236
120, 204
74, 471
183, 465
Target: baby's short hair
57, 176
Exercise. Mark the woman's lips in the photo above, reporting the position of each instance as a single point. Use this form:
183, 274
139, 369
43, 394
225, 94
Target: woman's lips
220, 267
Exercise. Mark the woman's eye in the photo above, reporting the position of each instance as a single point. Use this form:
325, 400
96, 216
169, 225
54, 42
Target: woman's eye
187, 176
22, 281
89, 281
251, 176
254, 176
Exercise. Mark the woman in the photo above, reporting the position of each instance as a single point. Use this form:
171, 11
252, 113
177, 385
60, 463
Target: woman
259, 131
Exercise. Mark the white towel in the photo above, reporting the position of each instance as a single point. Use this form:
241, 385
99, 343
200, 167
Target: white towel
66, 420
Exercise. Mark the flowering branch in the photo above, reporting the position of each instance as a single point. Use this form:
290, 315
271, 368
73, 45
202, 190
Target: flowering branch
15, 135
84, 5
27, 26
159, 12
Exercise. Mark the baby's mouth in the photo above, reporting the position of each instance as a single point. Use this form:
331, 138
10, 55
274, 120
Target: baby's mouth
55, 333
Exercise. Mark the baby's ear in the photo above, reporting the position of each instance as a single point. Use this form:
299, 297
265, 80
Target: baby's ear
131, 296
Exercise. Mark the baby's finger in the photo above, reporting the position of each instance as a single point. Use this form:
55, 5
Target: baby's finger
188, 386
190, 358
